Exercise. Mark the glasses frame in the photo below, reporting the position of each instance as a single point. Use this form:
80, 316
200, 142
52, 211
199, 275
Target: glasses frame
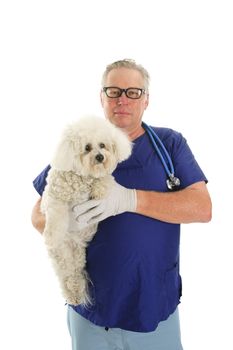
143, 91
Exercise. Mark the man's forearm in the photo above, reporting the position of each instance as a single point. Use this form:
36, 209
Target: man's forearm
192, 204
38, 219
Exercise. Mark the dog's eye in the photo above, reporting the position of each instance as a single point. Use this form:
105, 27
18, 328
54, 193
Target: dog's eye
102, 145
88, 148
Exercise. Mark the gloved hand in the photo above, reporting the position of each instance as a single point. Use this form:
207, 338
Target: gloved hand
74, 225
118, 200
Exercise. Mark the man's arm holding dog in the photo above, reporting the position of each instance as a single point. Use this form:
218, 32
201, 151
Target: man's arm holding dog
191, 204
38, 219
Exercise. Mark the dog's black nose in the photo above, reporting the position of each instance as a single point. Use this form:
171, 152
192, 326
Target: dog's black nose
99, 157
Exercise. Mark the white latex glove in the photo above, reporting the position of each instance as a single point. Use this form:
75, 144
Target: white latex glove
74, 225
118, 200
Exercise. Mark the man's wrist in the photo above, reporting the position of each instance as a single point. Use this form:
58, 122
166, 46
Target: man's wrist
132, 200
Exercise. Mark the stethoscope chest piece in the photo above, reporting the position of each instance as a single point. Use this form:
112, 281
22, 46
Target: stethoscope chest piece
173, 182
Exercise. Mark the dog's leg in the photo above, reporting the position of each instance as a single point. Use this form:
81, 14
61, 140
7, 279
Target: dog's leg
69, 262
101, 187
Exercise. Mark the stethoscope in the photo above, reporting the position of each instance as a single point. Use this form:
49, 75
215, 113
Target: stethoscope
173, 182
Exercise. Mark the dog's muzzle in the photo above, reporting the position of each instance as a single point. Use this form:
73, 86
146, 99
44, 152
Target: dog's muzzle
99, 157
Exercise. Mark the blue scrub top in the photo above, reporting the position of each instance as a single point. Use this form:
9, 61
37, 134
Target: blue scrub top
133, 260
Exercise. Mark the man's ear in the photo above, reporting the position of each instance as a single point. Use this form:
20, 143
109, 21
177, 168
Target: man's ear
101, 98
147, 101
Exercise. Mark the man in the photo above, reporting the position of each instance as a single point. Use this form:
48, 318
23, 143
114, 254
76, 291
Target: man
133, 261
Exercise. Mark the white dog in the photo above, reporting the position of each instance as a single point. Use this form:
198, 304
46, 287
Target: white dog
89, 151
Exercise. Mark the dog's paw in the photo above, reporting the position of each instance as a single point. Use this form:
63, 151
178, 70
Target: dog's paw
76, 291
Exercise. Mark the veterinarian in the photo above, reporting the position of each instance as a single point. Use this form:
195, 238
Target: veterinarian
133, 260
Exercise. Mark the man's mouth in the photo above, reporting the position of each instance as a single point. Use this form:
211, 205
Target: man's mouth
120, 112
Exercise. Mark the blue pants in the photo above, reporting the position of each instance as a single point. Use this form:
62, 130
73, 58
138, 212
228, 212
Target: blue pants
87, 336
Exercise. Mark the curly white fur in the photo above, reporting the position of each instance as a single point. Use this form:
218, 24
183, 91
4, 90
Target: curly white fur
89, 151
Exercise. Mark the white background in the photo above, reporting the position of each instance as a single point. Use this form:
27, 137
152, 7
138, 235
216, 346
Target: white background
52, 57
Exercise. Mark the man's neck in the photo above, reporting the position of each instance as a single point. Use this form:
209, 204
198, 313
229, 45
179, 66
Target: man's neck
135, 133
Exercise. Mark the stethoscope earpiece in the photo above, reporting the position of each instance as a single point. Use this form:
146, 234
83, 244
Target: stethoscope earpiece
173, 182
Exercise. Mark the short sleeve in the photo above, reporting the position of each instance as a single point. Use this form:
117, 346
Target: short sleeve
40, 181
186, 167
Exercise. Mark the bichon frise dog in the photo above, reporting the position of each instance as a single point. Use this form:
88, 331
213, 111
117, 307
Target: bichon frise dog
89, 151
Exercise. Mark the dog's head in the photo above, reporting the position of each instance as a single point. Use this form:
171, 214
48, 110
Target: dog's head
91, 147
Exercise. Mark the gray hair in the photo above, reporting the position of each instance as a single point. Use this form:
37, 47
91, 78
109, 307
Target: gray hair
131, 64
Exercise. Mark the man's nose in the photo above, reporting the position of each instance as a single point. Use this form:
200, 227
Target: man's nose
122, 99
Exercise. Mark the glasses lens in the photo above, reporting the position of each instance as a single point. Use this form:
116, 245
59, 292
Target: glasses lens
113, 92
133, 93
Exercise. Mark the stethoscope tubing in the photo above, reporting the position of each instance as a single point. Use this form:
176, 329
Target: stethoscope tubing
172, 181
153, 136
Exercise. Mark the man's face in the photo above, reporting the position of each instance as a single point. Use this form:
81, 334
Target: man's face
122, 111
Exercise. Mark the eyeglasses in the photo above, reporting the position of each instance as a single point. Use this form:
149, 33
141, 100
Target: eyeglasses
115, 92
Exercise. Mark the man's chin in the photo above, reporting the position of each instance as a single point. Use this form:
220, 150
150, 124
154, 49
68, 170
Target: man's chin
121, 120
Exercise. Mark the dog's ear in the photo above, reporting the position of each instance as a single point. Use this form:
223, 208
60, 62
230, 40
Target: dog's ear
122, 145
63, 159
